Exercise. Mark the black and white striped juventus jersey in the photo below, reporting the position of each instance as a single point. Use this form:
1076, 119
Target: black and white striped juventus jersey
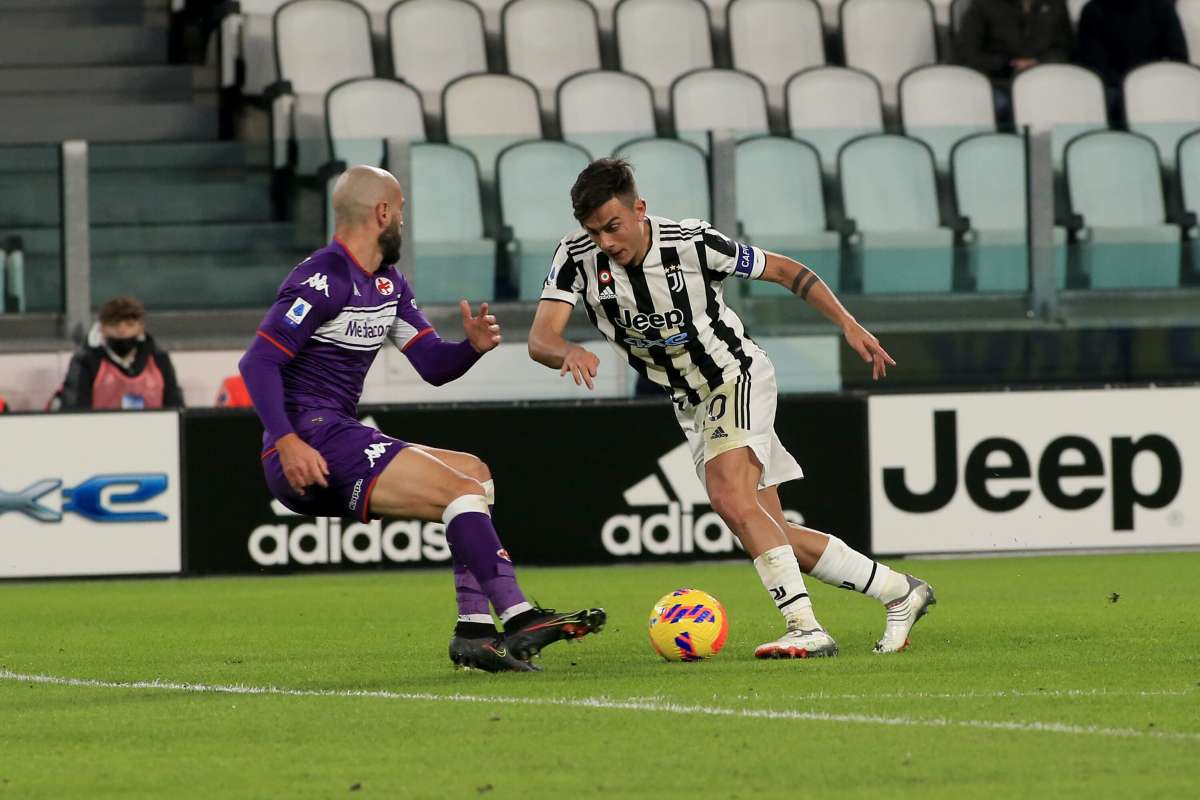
667, 316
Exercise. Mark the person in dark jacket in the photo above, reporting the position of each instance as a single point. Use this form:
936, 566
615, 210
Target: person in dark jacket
1117, 36
121, 367
1002, 38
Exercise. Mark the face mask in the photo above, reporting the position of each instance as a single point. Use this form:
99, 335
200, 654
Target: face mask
122, 347
389, 243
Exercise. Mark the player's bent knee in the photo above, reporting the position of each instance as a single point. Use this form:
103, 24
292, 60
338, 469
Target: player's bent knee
736, 511
461, 487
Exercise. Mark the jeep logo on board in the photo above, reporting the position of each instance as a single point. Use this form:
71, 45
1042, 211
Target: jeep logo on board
1067, 456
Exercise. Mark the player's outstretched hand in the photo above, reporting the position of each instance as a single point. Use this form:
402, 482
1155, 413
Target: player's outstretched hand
582, 364
483, 332
867, 346
302, 465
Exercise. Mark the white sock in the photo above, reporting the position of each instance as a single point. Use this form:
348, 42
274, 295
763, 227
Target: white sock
511, 612
845, 568
782, 579
489, 491
486, 619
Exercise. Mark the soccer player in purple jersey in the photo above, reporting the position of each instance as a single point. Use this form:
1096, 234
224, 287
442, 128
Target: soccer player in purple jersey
305, 371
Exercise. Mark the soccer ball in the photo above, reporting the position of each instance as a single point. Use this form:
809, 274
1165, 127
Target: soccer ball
688, 625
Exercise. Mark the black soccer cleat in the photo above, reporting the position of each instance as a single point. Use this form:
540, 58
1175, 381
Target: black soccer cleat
489, 653
548, 626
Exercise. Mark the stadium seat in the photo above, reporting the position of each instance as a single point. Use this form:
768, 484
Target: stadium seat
718, 99
941, 104
486, 113
1060, 99
454, 260
585, 110
1162, 101
781, 207
887, 38
247, 46
775, 39
988, 173
533, 179
660, 59
318, 44
890, 195
1114, 184
671, 176
433, 42
362, 112
1187, 171
548, 40
1189, 16
829, 106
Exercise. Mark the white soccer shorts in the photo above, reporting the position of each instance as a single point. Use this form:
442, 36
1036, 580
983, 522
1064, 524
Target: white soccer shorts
741, 413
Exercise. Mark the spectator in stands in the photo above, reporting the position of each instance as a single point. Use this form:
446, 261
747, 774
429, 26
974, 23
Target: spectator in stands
1002, 38
3, 405
1117, 36
120, 366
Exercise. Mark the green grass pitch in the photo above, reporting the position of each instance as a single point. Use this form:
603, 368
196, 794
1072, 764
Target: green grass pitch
1026, 680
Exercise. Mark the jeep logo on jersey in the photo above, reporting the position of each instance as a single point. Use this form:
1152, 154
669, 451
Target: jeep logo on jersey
684, 521
987, 480
641, 322
384, 286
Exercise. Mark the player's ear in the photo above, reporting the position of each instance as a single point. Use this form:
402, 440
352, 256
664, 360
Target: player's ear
639, 208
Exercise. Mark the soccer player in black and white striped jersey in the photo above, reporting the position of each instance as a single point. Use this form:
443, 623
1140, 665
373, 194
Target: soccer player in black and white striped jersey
653, 288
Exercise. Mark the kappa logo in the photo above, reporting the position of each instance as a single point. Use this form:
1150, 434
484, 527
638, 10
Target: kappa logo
318, 282
504, 554
384, 286
376, 451
683, 523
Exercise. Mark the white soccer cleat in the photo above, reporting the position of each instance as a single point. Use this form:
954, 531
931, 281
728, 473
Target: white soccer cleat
903, 613
799, 643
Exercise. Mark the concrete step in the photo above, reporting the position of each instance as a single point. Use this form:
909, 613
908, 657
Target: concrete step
82, 45
193, 280
53, 120
267, 240
157, 82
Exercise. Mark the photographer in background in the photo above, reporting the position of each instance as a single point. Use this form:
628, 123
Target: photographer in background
120, 366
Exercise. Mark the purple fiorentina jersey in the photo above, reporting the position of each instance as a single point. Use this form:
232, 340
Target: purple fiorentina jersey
331, 317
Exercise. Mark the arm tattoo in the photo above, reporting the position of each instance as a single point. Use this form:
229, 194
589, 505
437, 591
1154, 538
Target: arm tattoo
808, 284
799, 277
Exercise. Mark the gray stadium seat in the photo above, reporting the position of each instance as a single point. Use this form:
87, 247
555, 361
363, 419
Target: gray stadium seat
318, 44
247, 37
533, 179
1060, 99
941, 104
1189, 16
454, 260
433, 42
1187, 170
718, 99
781, 207
829, 106
890, 193
361, 113
486, 113
547, 41
1162, 101
671, 176
661, 40
887, 38
599, 110
988, 172
775, 39
1115, 184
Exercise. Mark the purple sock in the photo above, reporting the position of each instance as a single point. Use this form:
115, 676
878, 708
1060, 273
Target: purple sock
472, 602
474, 544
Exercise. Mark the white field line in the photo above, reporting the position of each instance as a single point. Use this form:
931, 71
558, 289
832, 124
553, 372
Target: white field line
618, 705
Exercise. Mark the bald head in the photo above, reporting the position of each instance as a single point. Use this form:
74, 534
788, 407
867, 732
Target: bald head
359, 191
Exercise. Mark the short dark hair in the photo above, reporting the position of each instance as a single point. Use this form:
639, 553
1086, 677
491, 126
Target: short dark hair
120, 309
601, 181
